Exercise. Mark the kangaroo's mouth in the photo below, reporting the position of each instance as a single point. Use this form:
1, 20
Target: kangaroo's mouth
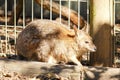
93, 49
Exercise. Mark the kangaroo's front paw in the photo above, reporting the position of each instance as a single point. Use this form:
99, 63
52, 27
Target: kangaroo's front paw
82, 68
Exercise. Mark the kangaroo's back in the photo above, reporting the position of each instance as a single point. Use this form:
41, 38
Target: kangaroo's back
38, 31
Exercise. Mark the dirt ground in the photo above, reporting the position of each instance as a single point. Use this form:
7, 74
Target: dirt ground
7, 75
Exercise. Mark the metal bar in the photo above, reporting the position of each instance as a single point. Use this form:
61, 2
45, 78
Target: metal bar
1, 48
78, 14
114, 3
6, 26
8, 45
114, 15
50, 9
41, 9
23, 13
11, 26
87, 12
60, 9
32, 9
69, 3
10, 30
14, 22
74, 0
15, 19
88, 54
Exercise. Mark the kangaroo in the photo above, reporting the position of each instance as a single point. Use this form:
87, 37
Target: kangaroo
52, 42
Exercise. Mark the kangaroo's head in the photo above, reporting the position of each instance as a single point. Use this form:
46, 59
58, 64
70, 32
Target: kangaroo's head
84, 40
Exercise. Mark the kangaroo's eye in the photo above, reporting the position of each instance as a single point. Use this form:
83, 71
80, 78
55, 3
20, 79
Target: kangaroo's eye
86, 42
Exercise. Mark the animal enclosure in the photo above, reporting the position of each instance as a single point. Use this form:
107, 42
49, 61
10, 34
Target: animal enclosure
16, 14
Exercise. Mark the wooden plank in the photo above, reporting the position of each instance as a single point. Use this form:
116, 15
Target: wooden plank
101, 22
32, 68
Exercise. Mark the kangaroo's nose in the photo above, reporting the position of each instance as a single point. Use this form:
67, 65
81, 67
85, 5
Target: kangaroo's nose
95, 48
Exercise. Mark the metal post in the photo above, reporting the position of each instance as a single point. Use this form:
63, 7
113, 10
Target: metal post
41, 9
23, 13
6, 26
32, 9
60, 10
50, 9
69, 3
78, 14
15, 19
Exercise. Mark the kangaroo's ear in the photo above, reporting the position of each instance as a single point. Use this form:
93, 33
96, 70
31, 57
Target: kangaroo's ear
86, 28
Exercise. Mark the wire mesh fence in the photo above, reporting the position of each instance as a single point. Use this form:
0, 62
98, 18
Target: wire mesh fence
9, 32
116, 32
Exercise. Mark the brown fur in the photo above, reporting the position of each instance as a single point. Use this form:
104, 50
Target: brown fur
52, 42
